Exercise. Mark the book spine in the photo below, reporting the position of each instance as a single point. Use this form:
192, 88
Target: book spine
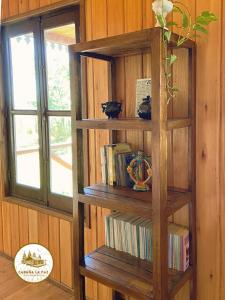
103, 164
169, 251
107, 163
107, 234
110, 164
112, 232
118, 181
186, 252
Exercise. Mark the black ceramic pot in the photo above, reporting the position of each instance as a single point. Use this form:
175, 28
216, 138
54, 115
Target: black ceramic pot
144, 109
112, 109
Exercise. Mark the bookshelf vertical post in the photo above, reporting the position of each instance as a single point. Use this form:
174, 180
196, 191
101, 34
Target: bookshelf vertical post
78, 177
159, 170
192, 167
112, 93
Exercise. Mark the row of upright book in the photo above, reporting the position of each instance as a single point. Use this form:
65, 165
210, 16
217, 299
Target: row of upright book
115, 159
133, 235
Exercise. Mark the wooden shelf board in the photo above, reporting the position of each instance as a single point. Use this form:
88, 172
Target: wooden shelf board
124, 44
128, 274
129, 124
126, 200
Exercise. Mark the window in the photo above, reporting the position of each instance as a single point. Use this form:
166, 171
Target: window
39, 106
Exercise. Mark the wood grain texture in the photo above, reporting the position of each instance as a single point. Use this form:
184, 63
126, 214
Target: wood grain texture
45, 2
20, 226
14, 8
148, 18
66, 253
54, 1
222, 156
133, 68
23, 6
100, 95
115, 22
6, 228
5, 9
184, 293
33, 225
15, 229
23, 226
12, 287
18, 10
43, 229
1, 233
54, 246
90, 233
34, 4
99, 25
208, 145
133, 15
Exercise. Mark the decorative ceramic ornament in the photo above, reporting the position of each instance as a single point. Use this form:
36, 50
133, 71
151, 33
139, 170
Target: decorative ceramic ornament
112, 109
137, 170
161, 8
144, 109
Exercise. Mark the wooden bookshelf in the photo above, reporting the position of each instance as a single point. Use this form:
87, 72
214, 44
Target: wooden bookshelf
120, 271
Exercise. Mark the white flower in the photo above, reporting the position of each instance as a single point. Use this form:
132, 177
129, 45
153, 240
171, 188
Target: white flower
162, 7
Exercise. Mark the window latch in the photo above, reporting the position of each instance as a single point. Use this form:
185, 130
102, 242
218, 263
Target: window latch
44, 114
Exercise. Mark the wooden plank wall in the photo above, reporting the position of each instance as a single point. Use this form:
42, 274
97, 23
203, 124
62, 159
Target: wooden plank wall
110, 17
12, 8
20, 225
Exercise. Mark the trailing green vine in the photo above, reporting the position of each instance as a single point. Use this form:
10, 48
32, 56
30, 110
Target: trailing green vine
187, 28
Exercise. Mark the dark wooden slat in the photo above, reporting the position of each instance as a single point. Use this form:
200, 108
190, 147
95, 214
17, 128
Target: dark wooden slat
96, 56
124, 44
126, 200
128, 124
128, 274
116, 278
131, 263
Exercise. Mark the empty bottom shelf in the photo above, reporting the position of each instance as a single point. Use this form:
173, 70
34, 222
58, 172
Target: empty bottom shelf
127, 274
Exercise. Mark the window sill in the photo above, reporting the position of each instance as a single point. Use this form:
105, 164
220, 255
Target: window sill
41, 208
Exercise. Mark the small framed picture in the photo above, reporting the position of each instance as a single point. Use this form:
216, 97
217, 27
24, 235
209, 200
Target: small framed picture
143, 89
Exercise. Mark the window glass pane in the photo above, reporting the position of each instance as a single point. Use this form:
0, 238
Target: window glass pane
57, 41
27, 151
60, 155
23, 72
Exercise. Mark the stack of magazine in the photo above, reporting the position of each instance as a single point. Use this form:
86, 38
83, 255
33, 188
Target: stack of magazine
134, 235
